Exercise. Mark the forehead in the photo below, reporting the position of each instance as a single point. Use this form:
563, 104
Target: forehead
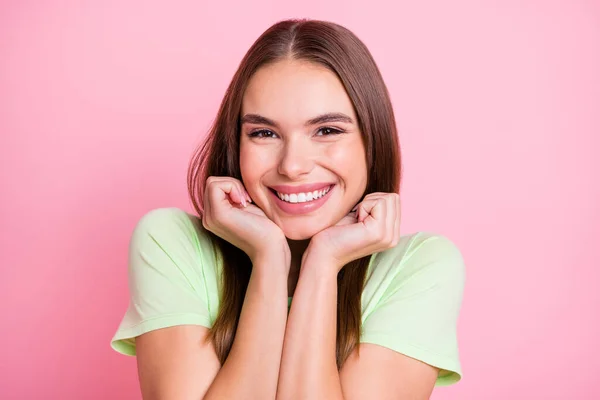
292, 92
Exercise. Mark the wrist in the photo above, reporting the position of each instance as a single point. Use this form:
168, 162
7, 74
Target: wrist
320, 263
276, 257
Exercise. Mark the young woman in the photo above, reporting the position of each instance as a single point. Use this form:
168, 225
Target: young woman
297, 189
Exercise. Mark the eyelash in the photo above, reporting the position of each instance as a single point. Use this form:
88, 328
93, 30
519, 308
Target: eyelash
257, 133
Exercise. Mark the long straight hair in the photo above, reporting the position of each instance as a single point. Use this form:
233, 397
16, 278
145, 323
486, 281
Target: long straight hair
335, 47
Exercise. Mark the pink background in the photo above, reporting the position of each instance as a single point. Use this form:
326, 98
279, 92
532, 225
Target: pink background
498, 104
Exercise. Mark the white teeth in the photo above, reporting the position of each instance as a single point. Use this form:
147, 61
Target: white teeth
303, 197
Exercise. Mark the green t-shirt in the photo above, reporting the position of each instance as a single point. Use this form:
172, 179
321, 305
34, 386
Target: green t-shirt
410, 302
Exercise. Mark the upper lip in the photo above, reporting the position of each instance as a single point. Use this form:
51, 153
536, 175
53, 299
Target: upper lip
309, 187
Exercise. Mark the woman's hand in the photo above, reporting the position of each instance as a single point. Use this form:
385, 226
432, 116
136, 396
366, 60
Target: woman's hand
230, 214
373, 227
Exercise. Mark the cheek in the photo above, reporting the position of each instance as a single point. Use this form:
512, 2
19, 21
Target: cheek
253, 166
350, 162
247, 167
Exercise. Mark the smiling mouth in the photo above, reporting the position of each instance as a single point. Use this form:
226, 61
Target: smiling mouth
302, 197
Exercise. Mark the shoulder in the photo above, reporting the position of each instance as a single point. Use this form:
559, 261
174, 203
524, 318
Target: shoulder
421, 257
173, 242
174, 231
171, 222
170, 218
172, 279
412, 301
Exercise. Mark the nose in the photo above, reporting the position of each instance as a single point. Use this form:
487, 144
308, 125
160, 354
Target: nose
296, 159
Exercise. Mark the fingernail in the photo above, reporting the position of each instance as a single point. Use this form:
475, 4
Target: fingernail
355, 208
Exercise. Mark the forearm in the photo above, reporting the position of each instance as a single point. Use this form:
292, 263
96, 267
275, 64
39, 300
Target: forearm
252, 367
308, 366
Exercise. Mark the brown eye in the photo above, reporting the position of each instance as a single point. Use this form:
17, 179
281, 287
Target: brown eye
261, 134
328, 131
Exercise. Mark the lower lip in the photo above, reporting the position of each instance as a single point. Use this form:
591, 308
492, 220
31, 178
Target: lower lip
301, 208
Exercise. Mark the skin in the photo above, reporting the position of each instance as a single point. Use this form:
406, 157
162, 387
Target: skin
291, 93
273, 354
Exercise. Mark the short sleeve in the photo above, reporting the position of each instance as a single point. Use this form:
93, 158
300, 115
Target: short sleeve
165, 277
417, 315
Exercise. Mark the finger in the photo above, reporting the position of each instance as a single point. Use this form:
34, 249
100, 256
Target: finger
348, 219
374, 208
220, 190
370, 197
237, 194
361, 212
397, 218
375, 195
245, 197
251, 208
206, 198
242, 198
390, 203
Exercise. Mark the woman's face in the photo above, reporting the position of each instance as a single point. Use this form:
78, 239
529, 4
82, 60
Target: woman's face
302, 157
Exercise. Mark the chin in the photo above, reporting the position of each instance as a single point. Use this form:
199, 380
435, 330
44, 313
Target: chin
303, 232
299, 236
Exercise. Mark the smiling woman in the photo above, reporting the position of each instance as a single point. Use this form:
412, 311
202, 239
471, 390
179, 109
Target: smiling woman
310, 142
296, 190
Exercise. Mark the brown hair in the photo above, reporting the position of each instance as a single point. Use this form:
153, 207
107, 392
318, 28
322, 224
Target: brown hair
338, 49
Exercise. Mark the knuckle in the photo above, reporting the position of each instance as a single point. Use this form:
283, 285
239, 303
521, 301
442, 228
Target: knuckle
231, 180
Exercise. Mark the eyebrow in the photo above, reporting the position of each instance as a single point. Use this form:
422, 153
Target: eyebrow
321, 119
